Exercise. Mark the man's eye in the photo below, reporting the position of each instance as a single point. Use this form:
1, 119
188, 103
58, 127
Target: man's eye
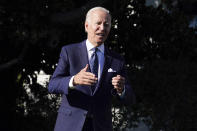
98, 23
106, 24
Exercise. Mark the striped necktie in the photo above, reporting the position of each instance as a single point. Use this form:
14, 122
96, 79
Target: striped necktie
94, 65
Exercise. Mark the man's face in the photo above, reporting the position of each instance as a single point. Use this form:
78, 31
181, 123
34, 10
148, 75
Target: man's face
98, 27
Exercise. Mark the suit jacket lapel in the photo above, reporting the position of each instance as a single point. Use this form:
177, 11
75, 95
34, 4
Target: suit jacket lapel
83, 55
83, 59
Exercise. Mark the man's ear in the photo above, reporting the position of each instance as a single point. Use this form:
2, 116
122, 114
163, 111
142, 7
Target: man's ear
86, 26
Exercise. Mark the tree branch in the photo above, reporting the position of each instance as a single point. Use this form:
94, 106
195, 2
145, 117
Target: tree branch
76, 14
14, 61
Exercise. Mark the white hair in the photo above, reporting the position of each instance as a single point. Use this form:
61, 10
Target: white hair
94, 9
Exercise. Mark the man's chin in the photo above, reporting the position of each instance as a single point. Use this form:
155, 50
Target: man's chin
99, 43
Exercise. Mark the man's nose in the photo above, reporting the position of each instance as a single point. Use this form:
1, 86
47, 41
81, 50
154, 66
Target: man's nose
102, 27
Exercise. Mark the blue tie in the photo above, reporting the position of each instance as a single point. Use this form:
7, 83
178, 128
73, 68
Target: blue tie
94, 65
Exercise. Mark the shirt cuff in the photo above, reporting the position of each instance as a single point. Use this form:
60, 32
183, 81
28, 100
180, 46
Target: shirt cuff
122, 94
71, 86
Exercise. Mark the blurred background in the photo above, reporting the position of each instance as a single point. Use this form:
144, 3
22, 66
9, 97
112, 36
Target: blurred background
158, 39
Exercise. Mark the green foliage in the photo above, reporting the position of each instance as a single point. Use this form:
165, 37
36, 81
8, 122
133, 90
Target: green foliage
167, 93
159, 48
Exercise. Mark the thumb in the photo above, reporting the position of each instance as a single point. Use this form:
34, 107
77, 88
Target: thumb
86, 68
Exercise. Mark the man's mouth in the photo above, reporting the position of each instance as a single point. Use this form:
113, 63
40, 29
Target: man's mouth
100, 34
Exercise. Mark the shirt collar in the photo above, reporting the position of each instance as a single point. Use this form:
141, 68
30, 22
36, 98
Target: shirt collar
90, 46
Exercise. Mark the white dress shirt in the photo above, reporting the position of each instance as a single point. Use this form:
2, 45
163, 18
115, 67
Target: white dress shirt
101, 59
100, 54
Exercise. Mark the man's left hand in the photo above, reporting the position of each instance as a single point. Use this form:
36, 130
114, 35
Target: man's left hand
118, 82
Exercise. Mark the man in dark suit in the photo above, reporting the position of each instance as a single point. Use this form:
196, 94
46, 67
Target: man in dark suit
88, 75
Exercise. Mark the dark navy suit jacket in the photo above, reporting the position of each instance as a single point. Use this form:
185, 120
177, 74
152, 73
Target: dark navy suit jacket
76, 103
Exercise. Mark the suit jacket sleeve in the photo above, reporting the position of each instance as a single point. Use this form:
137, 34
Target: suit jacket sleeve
59, 82
129, 96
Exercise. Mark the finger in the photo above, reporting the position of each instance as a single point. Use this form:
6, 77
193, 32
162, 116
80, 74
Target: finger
120, 85
118, 81
115, 84
118, 77
88, 82
91, 80
115, 87
89, 76
115, 80
118, 89
86, 68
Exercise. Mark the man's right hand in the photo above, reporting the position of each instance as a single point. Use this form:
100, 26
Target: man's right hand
84, 78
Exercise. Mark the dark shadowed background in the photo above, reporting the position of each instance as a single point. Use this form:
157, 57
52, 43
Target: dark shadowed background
158, 39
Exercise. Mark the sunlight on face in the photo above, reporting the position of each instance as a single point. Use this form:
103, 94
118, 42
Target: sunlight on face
98, 27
